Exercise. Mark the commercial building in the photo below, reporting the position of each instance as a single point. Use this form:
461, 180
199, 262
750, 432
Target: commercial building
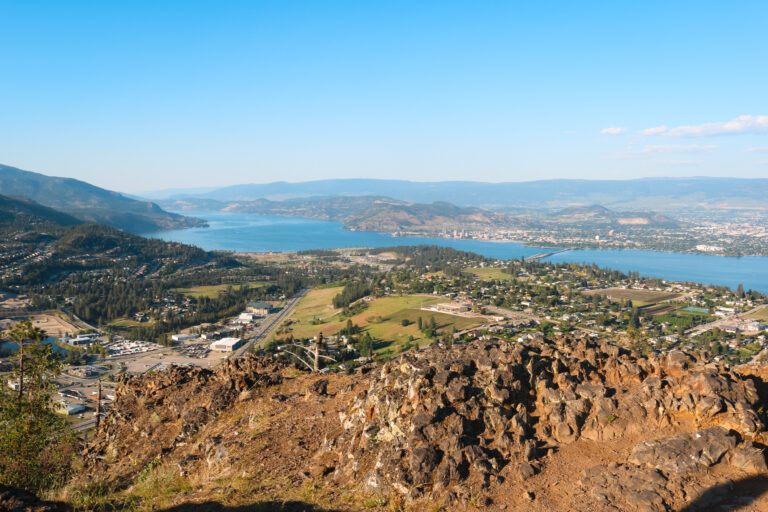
453, 308
245, 318
227, 344
70, 409
184, 337
259, 308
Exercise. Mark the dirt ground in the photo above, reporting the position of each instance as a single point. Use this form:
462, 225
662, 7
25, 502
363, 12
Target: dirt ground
53, 325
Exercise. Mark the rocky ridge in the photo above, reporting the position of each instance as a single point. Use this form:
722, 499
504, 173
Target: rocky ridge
534, 425
451, 424
155, 413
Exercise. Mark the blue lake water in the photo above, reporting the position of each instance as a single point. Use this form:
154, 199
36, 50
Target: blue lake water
254, 233
10, 346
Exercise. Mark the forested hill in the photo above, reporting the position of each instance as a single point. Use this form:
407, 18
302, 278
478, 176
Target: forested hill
41, 245
90, 203
21, 213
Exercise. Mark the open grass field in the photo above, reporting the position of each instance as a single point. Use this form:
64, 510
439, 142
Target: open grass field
124, 322
638, 297
489, 273
760, 314
383, 318
212, 290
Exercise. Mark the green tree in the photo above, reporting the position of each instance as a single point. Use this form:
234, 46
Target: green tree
36, 444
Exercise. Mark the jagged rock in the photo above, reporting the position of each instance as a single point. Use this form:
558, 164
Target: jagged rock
748, 458
185, 399
443, 420
319, 388
683, 452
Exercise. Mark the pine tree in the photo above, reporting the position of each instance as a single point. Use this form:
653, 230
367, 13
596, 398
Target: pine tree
36, 444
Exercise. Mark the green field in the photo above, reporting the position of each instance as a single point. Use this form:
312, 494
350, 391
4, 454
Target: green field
212, 290
760, 314
489, 273
382, 319
124, 322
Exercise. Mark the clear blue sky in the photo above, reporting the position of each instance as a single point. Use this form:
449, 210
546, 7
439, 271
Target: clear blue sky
136, 96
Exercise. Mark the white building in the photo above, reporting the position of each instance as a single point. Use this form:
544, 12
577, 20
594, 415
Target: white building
245, 318
184, 337
227, 344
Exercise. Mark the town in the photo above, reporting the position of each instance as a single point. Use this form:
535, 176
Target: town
396, 305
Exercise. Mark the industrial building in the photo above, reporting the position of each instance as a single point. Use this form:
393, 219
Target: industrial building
227, 344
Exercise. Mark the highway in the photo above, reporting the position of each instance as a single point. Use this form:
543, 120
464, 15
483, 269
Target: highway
269, 323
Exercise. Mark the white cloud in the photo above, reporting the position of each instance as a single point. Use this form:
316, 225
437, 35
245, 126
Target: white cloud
757, 150
613, 130
654, 131
740, 125
692, 148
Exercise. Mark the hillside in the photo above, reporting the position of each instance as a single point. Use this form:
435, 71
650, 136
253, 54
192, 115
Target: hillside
90, 203
22, 213
566, 424
40, 244
660, 194
597, 215
379, 213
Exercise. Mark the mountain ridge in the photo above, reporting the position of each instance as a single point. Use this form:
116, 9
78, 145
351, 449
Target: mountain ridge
385, 214
90, 203
644, 193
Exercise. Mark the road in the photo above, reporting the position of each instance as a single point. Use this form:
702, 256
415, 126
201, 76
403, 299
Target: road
699, 329
269, 323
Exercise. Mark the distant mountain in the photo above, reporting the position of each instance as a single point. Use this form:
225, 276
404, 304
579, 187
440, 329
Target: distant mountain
369, 213
90, 203
660, 194
378, 213
596, 215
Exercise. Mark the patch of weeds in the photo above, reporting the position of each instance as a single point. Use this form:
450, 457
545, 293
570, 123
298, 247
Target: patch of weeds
375, 501
610, 418
156, 418
159, 485
92, 496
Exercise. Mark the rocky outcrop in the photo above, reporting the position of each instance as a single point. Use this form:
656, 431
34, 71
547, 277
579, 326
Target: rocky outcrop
155, 412
448, 424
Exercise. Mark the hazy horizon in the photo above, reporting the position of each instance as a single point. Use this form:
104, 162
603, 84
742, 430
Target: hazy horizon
142, 97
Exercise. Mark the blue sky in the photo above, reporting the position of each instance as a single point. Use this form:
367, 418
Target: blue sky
136, 96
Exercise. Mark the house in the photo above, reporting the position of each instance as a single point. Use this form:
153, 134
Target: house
259, 308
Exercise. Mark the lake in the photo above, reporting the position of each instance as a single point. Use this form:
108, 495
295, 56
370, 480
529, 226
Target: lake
11, 347
254, 233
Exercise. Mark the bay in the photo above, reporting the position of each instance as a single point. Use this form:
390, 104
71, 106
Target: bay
255, 233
